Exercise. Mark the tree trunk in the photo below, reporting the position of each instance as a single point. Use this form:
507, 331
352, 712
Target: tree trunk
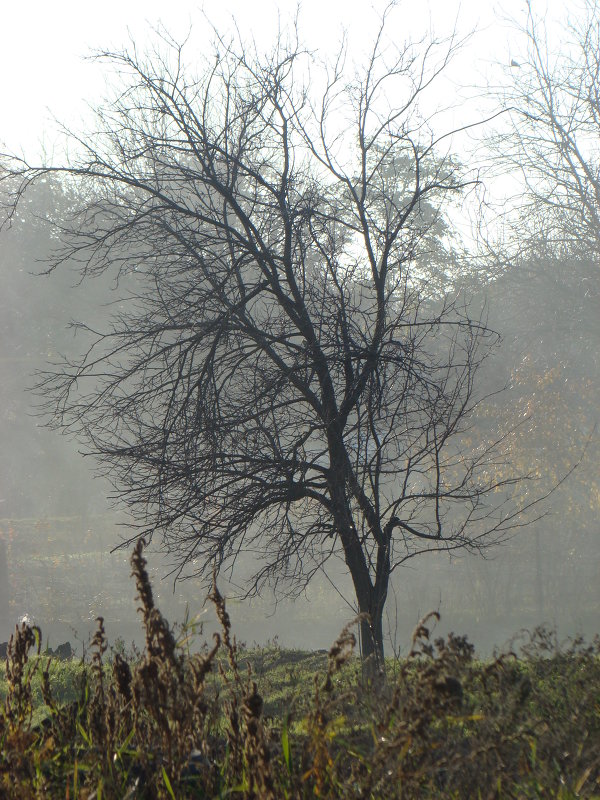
371, 629
370, 594
371, 597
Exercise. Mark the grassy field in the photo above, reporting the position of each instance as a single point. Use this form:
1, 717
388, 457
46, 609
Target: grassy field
225, 722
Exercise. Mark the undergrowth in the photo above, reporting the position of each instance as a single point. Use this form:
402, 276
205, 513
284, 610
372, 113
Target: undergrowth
171, 724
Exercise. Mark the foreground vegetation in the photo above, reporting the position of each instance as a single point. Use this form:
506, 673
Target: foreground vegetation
167, 723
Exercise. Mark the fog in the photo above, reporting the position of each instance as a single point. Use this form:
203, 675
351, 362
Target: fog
60, 522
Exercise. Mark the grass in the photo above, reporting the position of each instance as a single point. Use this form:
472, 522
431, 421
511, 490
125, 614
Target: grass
225, 722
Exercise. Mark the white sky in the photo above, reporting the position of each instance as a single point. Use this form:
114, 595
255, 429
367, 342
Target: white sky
43, 44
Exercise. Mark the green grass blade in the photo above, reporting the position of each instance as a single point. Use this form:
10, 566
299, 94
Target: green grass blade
168, 783
285, 744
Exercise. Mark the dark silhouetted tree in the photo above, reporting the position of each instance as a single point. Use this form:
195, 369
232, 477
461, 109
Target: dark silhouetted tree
281, 380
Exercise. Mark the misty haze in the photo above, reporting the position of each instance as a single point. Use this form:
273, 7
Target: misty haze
429, 293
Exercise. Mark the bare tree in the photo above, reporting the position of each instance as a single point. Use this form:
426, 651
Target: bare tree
553, 95
280, 379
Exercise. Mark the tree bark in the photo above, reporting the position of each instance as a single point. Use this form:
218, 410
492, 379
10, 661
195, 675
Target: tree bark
371, 602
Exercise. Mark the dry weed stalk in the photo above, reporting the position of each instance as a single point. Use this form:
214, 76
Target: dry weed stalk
318, 759
248, 753
18, 704
97, 707
261, 785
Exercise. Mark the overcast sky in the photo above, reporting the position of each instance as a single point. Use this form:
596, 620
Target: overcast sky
43, 44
